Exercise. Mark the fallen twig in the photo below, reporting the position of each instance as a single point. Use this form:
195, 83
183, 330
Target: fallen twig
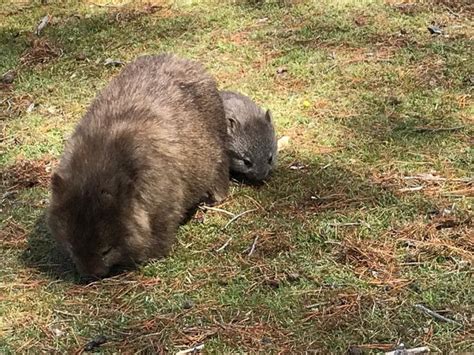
111, 5
452, 12
65, 313
209, 208
42, 24
224, 245
314, 305
254, 244
113, 62
436, 315
439, 129
191, 350
420, 350
345, 224
431, 177
408, 189
233, 219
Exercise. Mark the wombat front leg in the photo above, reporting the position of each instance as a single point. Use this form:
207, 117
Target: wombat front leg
220, 187
164, 238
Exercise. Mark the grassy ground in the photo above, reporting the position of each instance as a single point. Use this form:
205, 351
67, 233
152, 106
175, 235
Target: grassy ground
367, 214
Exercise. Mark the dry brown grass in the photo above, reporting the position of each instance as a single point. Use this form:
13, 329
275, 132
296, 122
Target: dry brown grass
13, 235
40, 52
27, 174
443, 236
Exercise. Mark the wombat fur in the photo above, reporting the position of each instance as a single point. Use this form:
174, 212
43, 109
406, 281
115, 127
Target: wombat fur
149, 149
252, 138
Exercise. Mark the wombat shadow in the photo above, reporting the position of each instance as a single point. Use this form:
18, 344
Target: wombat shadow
43, 254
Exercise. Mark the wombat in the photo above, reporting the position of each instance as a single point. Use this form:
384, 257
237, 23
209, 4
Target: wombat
252, 138
151, 147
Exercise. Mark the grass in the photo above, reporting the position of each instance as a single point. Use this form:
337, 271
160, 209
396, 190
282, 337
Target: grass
366, 215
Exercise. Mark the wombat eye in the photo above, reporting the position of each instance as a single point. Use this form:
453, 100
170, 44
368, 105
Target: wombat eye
106, 251
270, 159
247, 163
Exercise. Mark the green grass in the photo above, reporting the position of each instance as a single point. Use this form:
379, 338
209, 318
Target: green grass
346, 245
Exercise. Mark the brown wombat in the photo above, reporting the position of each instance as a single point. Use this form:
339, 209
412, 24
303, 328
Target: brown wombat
252, 138
149, 149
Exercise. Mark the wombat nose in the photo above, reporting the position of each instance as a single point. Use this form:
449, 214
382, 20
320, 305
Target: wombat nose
262, 175
94, 274
100, 272
87, 279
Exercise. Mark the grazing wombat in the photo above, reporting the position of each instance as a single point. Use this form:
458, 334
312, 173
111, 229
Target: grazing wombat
252, 139
149, 149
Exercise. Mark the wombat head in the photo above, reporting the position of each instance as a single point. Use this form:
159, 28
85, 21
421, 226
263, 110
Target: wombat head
92, 214
252, 138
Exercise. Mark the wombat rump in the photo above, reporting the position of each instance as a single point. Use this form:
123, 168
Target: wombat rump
252, 138
150, 148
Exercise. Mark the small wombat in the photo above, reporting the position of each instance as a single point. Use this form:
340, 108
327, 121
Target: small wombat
252, 139
149, 149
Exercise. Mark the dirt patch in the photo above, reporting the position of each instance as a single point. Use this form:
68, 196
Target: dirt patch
40, 52
131, 14
447, 237
12, 235
459, 5
338, 309
372, 260
26, 174
263, 244
13, 106
429, 73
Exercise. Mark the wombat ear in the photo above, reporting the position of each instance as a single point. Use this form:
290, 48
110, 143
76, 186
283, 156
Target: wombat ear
57, 183
268, 116
232, 124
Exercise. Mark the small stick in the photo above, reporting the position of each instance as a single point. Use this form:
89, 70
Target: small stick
316, 305
345, 224
234, 218
452, 12
252, 249
217, 210
237, 217
65, 313
420, 350
435, 315
42, 24
440, 129
324, 167
224, 245
191, 350
429, 177
111, 5
407, 189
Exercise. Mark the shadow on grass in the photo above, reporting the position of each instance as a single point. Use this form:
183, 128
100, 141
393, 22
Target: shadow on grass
318, 180
80, 37
43, 254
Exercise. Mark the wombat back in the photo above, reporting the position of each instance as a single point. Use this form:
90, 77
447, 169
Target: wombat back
151, 146
252, 138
